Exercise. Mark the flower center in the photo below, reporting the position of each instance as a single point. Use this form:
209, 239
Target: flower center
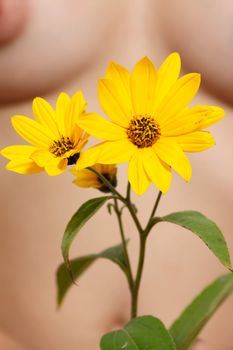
143, 131
60, 147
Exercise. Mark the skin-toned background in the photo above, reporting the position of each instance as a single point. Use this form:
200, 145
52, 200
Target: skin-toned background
65, 45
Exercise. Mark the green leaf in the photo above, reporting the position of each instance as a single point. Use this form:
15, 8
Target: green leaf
116, 255
187, 327
142, 333
206, 229
80, 265
82, 215
64, 280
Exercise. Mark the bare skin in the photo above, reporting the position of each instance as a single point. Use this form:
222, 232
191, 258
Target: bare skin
35, 209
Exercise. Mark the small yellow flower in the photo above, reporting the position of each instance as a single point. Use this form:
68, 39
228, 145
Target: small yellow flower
86, 178
55, 138
151, 124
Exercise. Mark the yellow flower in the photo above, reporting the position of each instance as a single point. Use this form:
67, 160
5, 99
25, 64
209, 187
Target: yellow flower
55, 138
151, 124
86, 178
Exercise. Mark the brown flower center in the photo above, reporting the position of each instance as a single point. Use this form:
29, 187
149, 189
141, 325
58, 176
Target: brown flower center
143, 131
60, 147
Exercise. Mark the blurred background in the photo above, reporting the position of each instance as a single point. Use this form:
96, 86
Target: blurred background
65, 45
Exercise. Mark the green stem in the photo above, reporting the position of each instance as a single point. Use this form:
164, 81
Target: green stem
126, 201
134, 285
135, 292
128, 192
107, 183
148, 226
143, 236
156, 205
135, 218
124, 243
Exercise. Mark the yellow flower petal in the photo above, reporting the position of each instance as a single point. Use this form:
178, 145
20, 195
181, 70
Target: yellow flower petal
56, 166
85, 178
120, 75
192, 119
45, 115
81, 141
76, 109
86, 182
114, 152
62, 105
31, 131
143, 86
195, 142
211, 115
168, 74
42, 157
138, 178
157, 170
20, 159
171, 153
110, 169
109, 152
51, 164
114, 102
17, 152
101, 128
89, 157
120, 79
178, 97
23, 166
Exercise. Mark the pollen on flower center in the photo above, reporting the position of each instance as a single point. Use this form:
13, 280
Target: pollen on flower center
143, 131
60, 147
